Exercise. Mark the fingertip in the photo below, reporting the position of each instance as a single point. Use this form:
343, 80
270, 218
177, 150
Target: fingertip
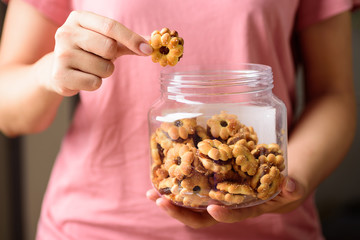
158, 202
96, 84
145, 48
148, 194
162, 203
292, 189
152, 195
290, 185
217, 212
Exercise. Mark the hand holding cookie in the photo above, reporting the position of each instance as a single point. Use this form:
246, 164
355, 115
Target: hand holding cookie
85, 48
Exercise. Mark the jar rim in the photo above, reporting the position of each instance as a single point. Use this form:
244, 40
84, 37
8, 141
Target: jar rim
246, 72
211, 80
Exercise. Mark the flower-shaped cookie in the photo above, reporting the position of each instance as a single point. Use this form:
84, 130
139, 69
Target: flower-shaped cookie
223, 125
215, 156
270, 154
226, 198
169, 186
168, 47
245, 159
158, 173
230, 192
157, 152
195, 190
268, 181
180, 129
215, 149
245, 133
179, 160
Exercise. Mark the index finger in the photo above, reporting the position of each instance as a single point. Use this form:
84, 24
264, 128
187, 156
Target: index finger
113, 29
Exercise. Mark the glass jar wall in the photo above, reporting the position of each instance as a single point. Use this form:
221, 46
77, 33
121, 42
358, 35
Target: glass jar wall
218, 135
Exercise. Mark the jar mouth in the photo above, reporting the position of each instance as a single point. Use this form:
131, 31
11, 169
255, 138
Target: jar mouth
245, 73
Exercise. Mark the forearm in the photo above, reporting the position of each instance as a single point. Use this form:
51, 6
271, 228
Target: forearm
26, 106
321, 138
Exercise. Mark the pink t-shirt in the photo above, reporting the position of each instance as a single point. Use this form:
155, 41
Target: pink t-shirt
98, 184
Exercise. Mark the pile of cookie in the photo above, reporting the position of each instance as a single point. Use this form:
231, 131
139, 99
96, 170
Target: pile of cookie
222, 163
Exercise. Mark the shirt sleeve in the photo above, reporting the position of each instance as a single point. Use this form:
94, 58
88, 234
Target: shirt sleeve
310, 11
55, 10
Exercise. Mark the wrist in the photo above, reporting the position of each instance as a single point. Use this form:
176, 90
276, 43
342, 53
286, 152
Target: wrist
43, 74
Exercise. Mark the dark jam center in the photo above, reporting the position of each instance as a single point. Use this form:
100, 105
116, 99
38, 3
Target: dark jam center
161, 152
164, 50
223, 123
196, 139
261, 151
218, 162
196, 189
165, 191
234, 140
178, 123
178, 160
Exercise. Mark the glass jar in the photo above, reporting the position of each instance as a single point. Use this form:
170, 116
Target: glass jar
218, 135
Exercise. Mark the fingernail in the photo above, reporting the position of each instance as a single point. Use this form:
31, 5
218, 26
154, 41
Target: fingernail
145, 48
158, 203
290, 185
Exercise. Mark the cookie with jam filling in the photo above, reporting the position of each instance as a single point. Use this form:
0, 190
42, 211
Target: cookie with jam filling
179, 130
270, 154
195, 190
245, 159
245, 134
167, 46
179, 160
215, 156
223, 126
266, 181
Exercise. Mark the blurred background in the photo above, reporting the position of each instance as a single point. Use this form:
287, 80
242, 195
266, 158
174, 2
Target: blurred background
26, 162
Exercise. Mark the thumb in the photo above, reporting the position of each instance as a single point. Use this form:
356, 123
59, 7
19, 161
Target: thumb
292, 189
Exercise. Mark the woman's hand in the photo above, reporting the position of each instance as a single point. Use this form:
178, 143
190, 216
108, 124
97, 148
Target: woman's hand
291, 196
37, 71
86, 46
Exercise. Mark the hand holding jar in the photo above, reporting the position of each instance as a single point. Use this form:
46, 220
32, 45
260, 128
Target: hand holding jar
218, 140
